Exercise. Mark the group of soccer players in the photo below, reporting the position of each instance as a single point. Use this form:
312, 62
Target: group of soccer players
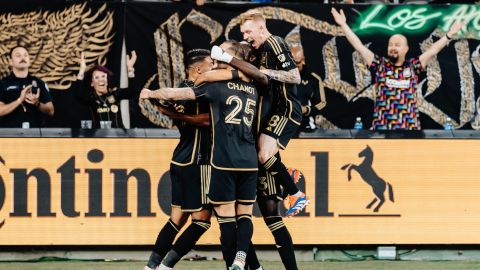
233, 118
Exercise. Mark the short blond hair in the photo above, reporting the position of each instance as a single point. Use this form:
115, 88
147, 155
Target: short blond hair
251, 15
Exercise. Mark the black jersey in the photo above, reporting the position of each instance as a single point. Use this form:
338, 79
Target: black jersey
10, 89
195, 141
105, 107
310, 94
276, 55
265, 108
232, 112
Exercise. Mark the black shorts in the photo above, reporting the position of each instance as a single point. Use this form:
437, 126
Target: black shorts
282, 129
232, 186
190, 186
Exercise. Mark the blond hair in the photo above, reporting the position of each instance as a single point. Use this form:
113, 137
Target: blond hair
252, 15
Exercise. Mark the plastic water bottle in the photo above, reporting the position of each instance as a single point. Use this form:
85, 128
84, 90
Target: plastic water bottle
358, 124
448, 124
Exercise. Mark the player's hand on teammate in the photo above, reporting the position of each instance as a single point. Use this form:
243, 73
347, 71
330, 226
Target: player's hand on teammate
218, 54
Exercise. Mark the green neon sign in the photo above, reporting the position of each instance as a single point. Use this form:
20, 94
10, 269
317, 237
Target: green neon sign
411, 18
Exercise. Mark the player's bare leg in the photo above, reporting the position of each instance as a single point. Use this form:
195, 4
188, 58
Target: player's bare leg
269, 157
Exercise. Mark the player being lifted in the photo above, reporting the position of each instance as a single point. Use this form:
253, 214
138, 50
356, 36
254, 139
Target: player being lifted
280, 111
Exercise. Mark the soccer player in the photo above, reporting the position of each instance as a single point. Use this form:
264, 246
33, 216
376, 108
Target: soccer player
396, 77
285, 115
233, 155
189, 170
269, 193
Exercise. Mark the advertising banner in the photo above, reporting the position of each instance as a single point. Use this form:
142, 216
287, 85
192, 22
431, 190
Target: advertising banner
362, 191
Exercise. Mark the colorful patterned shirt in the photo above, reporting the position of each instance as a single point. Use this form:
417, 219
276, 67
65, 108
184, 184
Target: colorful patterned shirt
395, 94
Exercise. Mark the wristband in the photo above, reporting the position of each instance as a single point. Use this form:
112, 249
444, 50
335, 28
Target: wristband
235, 75
448, 38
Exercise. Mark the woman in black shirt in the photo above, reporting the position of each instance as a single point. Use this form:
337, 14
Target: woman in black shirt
92, 88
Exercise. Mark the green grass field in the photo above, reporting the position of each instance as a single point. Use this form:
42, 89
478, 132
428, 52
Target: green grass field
201, 265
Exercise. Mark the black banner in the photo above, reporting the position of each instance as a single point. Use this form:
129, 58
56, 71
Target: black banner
162, 32
447, 87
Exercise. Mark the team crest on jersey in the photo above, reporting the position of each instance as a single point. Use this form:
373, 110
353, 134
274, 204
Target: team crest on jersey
407, 73
281, 57
114, 108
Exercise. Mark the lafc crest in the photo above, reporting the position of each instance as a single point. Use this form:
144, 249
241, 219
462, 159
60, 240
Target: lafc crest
56, 39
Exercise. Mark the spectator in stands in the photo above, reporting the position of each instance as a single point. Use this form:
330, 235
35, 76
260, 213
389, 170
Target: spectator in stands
310, 91
23, 98
104, 102
395, 78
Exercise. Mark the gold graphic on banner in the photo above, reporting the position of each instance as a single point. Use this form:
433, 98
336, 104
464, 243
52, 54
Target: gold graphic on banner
213, 28
333, 71
434, 79
323, 99
176, 50
170, 54
56, 39
467, 101
434, 73
150, 110
476, 120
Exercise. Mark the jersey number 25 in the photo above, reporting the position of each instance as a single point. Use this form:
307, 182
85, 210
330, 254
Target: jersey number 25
249, 110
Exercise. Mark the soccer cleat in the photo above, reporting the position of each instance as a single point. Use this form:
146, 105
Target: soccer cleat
297, 203
148, 268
